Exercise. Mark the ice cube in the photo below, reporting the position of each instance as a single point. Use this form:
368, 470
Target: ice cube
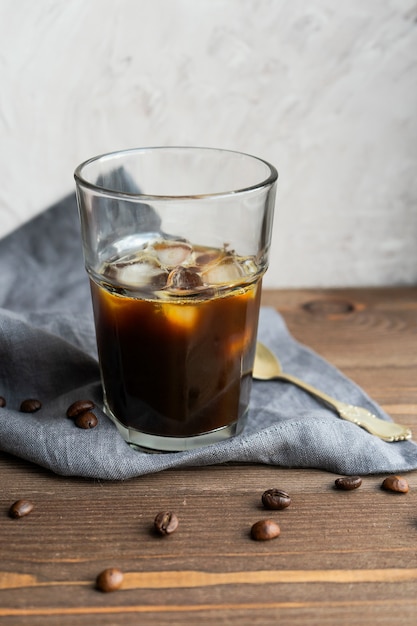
143, 272
223, 273
208, 257
172, 253
184, 279
182, 315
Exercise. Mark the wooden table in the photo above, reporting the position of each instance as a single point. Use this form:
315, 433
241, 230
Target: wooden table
342, 557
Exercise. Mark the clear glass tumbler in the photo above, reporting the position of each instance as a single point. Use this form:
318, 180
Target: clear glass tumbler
176, 241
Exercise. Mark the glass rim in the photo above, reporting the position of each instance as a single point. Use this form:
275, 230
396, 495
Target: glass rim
108, 191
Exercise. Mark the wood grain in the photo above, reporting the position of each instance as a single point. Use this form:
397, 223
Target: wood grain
341, 558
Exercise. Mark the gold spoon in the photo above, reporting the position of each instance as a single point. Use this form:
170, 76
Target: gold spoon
267, 367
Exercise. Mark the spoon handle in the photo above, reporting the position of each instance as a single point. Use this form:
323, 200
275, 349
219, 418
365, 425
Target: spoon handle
388, 431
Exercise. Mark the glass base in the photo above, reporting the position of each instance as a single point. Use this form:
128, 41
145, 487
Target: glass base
156, 443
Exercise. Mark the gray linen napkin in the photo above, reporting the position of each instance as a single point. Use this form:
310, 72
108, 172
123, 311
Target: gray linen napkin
48, 351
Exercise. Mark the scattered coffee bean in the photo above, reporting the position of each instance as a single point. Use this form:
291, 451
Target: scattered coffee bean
395, 483
166, 522
347, 483
20, 508
264, 530
109, 579
2, 402
31, 405
86, 420
79, 407
275, 499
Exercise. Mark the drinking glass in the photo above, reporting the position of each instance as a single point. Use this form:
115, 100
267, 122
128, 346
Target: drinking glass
176, 242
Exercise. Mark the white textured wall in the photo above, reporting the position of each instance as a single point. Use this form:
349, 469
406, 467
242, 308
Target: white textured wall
326, 90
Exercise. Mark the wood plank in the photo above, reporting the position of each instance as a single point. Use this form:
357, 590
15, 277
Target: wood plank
175, 579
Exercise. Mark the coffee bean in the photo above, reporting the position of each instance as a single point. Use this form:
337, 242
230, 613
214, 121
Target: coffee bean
395, 483
20, 508
275, 499
2, 402
166, 522
31, 405
86, 420
109, 579
347, 483
264, 530
79, 407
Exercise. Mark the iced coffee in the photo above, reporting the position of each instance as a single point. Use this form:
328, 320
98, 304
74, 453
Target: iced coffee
176, 241
176, 327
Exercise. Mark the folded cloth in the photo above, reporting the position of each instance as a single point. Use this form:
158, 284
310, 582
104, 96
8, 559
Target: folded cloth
48, 351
